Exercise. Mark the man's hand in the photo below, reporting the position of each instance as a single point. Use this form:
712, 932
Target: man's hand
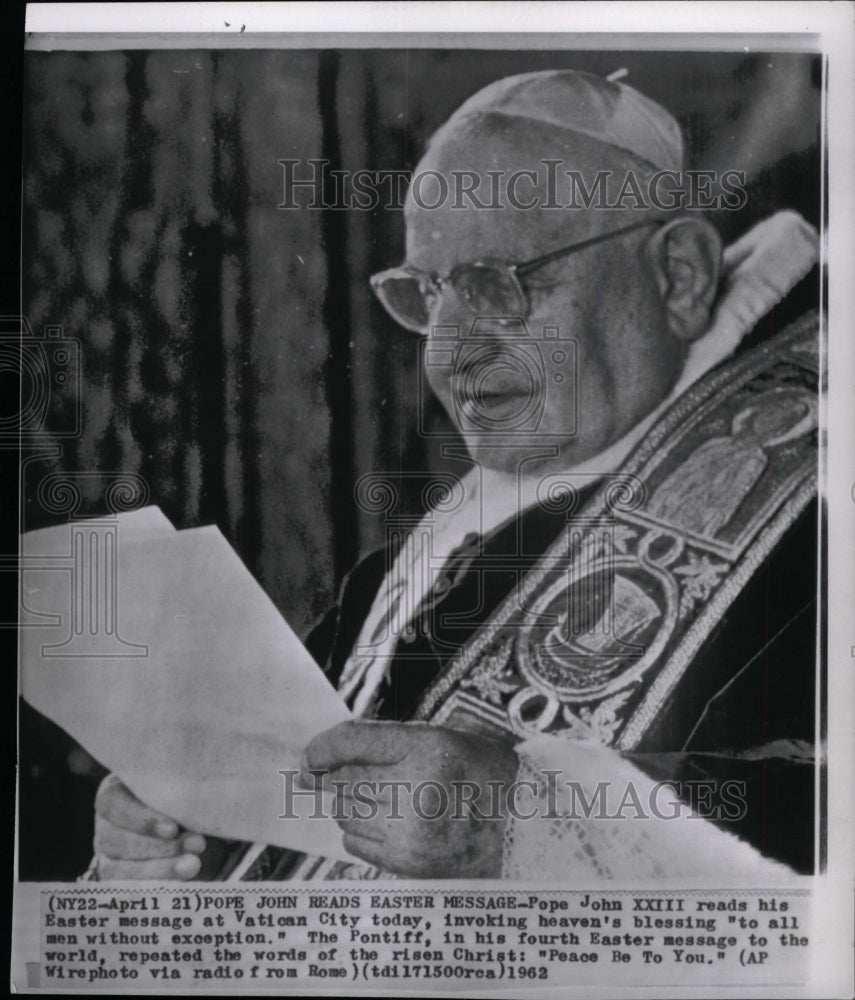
389, 827
136, 842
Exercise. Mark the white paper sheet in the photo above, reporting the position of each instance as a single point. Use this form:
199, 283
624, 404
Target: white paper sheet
199, 696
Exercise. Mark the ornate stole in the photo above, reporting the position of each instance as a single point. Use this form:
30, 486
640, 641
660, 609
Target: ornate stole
598, 634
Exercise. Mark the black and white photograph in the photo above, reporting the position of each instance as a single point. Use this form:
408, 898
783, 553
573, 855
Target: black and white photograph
428, 522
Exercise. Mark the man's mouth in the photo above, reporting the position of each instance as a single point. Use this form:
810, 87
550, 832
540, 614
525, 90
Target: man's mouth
489, 393
495, 377
493, 405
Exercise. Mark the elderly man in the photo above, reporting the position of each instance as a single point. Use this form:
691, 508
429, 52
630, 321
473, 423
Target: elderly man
571, 606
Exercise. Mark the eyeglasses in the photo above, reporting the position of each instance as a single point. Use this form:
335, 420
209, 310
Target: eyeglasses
488, 287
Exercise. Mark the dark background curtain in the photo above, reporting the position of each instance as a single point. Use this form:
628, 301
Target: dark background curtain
231, 353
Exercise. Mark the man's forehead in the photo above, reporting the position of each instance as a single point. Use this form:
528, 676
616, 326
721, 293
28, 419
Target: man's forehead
499, 187
485, 186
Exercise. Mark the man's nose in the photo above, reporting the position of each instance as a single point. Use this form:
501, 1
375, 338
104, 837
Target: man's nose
455, 318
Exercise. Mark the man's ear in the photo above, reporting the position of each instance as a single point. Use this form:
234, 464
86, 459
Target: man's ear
686, 258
